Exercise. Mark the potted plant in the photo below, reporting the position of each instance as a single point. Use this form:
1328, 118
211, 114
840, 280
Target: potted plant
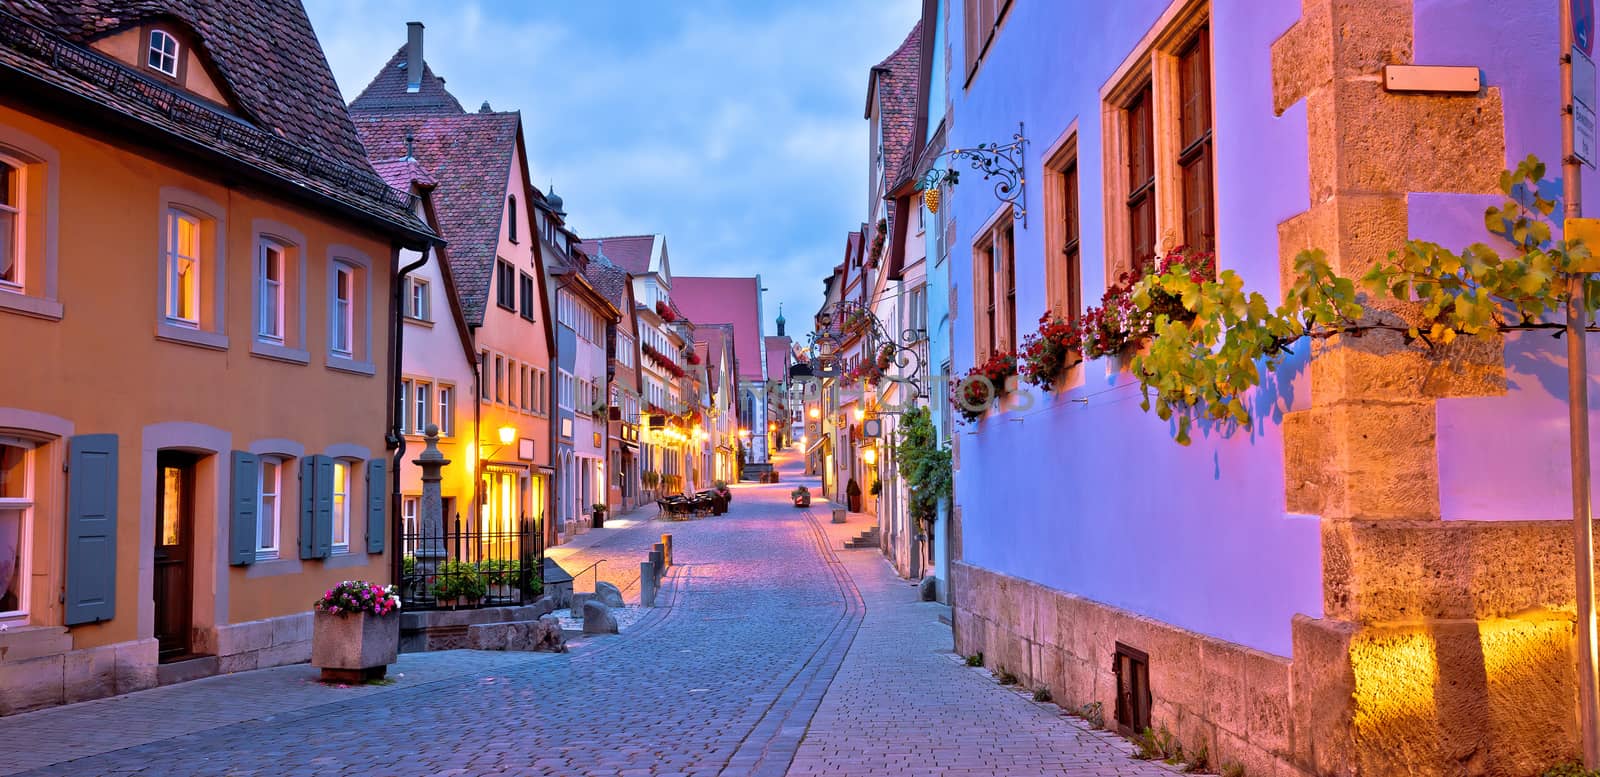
801, 496
500, 574
885, 357
459, 583
721, 487
876, 488
598, 514
852, 492
356, 631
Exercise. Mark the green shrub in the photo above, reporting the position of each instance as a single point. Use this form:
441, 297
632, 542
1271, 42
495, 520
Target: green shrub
1158, 745
459, 580
499, 571
976, 659
1570, 769
1006, 677
1041, 694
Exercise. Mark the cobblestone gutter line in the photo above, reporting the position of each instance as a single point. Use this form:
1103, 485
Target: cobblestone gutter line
770, 747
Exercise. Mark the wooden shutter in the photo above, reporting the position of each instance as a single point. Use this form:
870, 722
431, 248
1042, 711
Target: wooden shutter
377, 500
242, 507
308, 506
91, 594
322, 509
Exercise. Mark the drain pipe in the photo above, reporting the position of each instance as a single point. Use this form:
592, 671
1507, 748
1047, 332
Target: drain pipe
397, 441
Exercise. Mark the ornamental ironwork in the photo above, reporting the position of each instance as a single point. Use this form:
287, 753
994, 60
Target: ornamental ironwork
847, 323
1002, 162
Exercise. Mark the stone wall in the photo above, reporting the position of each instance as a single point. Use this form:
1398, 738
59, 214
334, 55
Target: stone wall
261, 644
37, 673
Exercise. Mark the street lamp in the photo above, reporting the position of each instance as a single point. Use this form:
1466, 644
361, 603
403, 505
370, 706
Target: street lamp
508, 434
815, 413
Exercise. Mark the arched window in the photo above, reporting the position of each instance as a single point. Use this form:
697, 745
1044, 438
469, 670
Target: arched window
511, 216
163, 53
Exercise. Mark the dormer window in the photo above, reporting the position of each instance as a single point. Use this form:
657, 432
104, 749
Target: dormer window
163, 53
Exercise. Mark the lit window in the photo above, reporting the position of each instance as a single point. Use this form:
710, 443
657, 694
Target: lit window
16, 513
183, 268
10, 225
343, 323
409, 510
164, 52
267, 511
447, 410
341, 506
269, 267
420, 305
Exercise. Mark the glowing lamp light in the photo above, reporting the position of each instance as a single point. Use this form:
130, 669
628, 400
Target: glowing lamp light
508, 435
870, 455
815, 413
860, 413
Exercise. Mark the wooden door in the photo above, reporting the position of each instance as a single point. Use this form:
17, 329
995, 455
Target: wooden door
174, 581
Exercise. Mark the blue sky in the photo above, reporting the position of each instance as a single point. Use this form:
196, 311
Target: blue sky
734, 127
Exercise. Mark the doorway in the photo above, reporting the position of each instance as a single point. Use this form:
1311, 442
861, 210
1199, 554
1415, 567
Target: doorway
174, 554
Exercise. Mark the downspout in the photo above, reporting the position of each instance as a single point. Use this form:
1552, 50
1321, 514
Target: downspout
397, 441
478, 368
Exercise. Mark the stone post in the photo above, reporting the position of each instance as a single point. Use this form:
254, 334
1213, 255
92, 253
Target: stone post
647, 584
430, 522
657, 567
666, 546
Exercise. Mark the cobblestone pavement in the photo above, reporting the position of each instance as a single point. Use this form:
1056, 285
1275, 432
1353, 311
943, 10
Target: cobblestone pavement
776, 655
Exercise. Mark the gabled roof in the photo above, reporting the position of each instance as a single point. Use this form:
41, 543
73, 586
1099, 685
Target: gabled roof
294, 132
387, 92
635, 253
469, 156
735, 301
779, 351
894, 83
608, 279
402, 174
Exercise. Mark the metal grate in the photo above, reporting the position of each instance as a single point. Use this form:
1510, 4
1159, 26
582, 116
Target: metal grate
465, 568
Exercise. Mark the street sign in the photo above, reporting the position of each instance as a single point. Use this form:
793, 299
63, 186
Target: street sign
1583, 102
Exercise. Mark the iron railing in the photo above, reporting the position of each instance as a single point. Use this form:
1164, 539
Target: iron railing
466, 567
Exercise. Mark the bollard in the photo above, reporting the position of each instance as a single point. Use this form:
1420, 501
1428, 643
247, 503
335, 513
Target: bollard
838, 515
655, 563
647, 585
666, 545
666, 558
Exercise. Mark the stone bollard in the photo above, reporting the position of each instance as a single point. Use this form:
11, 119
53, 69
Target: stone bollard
838, 515
666, 546
647, 585
655, 564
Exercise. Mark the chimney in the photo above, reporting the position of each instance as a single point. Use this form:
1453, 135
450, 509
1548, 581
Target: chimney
414, 62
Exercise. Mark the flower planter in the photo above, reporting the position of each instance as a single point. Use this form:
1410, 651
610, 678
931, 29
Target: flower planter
500, 590
354, 648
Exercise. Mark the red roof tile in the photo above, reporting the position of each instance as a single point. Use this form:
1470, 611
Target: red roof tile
778, 351
469, 155
630, 252
387, 91
895, 82
735, 301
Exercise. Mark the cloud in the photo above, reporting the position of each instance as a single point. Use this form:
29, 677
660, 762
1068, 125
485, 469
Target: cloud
733, 127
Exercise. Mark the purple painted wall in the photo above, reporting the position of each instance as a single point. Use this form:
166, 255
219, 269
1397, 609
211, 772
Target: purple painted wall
1095, 498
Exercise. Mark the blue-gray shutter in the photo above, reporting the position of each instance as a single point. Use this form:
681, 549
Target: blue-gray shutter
91, 528
308, 503
322, 511
377, 499
242, 507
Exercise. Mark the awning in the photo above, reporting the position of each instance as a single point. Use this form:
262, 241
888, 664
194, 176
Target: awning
821, 442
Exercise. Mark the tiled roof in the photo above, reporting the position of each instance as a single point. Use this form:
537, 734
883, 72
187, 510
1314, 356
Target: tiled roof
630, 252
387, 92
735, 301
610, 280
469, 155
402, 174
294, 126
778, 351
896, 80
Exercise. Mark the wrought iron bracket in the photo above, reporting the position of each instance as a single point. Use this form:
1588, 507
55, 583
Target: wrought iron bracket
1005, 162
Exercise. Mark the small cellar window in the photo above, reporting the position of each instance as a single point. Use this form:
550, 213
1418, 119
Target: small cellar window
1132, 669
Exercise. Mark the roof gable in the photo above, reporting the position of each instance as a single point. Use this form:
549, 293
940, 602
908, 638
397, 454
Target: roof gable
735, 301
387, 91
894, 83
637, 254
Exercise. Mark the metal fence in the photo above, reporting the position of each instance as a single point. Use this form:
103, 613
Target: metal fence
466, 567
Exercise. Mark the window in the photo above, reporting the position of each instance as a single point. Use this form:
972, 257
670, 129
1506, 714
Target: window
513, 391
418, 305
1063, 229
341, 506
270, 261
422, 401
525, 398
447, 410
1141, 203
995, 289
511, 216
405, 407
1008, 282
342, 323
182, 268
16, 524
1158, 131
526, 285
163, 53
10, 225
505, 285
499, 378
409, 512
268, 511
483, 376
1194, 139
982, 21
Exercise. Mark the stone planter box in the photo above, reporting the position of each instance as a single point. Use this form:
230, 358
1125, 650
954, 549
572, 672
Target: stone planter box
354, 648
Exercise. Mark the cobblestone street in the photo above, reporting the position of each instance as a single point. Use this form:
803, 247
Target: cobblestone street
777, 653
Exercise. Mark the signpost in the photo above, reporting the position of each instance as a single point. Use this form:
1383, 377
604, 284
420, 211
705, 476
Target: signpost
1577, 148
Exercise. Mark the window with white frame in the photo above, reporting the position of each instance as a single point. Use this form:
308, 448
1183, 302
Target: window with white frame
418, 304
182, 268
16, 525
269, 508
405, 407
422, 402
163, 56
410, 512
447, 410
10, 224
484, 389
270, 265
624, 350
343, 324
565, 391
341, 506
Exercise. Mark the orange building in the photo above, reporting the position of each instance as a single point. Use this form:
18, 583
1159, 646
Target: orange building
195, 333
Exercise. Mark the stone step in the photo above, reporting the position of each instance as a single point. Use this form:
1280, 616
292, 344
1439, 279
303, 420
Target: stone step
186, 669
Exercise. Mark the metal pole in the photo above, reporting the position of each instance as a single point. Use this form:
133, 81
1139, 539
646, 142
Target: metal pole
1578, 417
